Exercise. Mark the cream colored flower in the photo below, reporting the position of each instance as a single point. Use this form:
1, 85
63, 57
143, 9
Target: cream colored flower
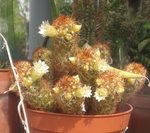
98, 63
98, 81
56, 90
120, 90
73, 60
47, 30
83, 107
76, 27
100, 94
76, 78
68, 36
87, 91
97, 52
84, 92
68, 96
39, 69
102, 65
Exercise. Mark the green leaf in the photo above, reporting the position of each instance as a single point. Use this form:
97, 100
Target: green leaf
143, 44
145, 60
54, 9
147, 26
146, 35
147, 54
133, 50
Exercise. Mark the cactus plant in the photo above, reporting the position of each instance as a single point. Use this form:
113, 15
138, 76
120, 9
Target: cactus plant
83, 80
64, 31
134, 85
71, 94
90, 14
108, 93
44, 54
39, 96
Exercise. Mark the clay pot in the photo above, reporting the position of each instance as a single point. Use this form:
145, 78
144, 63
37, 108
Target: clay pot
45, 122
140, 118
9, 120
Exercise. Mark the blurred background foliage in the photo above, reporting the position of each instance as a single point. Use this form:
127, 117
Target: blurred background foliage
128, 29
62, 7
13, 25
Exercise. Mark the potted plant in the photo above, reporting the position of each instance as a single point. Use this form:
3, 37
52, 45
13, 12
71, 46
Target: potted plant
9, 121
72, 89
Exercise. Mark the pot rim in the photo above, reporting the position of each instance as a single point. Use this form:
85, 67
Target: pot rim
4, 70
127, 111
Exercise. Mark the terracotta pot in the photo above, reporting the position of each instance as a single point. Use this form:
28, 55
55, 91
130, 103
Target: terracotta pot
4, 80
9, 119
140, 118
45, 122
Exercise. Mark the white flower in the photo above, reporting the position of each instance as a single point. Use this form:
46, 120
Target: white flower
83, 107
47, 30
44, 26
98, 97
103, 66
100, 94
86, 91
39, 69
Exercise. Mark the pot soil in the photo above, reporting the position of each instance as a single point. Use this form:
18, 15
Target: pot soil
9, 119
46, 122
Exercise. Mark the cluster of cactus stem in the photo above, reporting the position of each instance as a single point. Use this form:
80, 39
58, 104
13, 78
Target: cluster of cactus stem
81, 80
134, 85
36, 87
66, 8
44, 54
90, 14
64, 45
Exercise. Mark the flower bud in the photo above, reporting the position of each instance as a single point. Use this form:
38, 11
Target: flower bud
76, 27
52, 32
